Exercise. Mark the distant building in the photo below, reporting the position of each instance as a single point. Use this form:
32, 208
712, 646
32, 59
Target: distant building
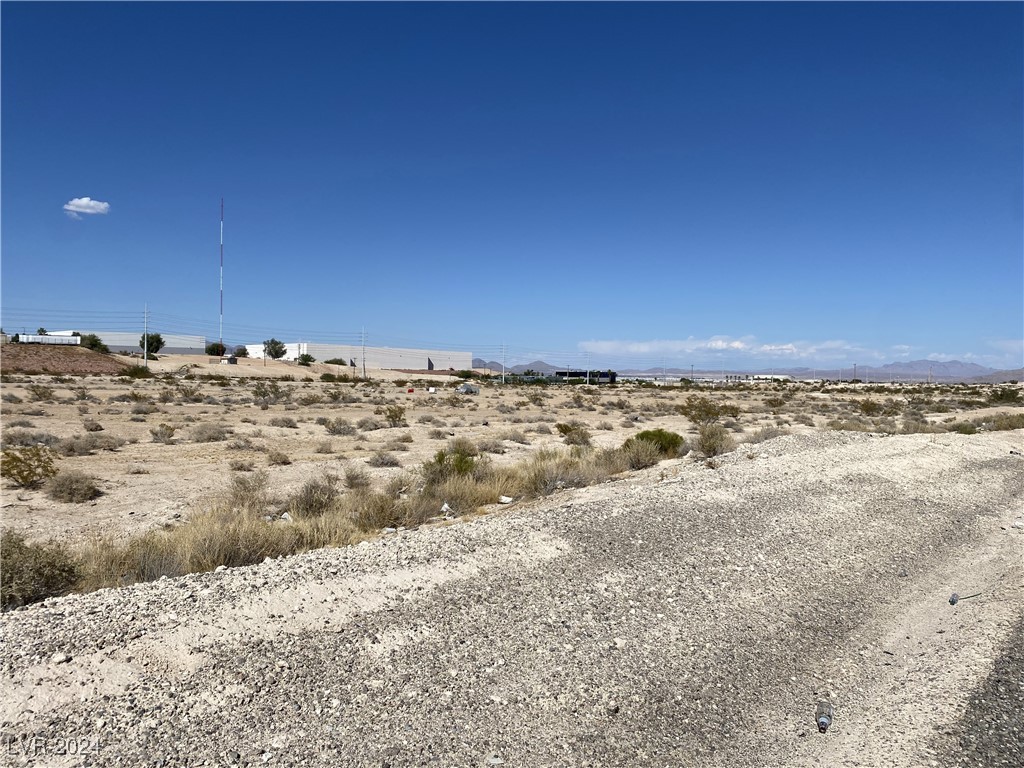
119, 341
594, 377
375, 357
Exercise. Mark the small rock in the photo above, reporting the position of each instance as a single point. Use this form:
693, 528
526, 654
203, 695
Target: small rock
220, 569
1018, 523
60, 658
504, 499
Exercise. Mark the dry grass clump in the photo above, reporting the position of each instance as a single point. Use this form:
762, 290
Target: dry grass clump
766, 433
286, 422
72, 486
210, 433
324, 446
278, 458
339, 426
356, 478
92, 426
33, 572
84, 445
163, 434
574, 433
21, 437
713, 439
240, 465
383, 459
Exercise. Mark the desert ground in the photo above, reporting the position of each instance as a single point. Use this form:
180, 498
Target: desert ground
691, 612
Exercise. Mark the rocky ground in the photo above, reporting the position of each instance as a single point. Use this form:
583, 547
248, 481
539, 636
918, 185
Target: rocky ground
685, 616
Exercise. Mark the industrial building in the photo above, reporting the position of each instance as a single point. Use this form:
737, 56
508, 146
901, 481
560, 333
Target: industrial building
375, 357
118, 341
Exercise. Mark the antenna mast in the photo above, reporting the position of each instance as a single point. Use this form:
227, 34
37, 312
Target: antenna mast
222, 273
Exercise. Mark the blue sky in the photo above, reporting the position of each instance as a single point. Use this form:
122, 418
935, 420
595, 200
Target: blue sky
723, 184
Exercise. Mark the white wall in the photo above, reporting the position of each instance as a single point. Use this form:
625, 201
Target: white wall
376, 357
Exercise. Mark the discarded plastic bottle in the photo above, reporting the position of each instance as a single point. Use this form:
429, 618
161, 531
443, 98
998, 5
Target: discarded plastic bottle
823, 715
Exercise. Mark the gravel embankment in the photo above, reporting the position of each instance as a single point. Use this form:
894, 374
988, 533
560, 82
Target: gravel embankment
688, 617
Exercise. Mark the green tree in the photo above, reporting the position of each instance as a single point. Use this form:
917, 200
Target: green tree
306, 359
274, 349
151, 342
241, 351
216, 349
94, 342
41, 332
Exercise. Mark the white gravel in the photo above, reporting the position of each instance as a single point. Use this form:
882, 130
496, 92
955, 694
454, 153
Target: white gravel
684, 617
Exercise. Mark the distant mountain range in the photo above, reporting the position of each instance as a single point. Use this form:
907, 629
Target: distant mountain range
917, 370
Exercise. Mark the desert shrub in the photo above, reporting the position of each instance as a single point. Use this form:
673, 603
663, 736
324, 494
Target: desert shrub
92, 426
1001, 421
310, 398
339, 426
240, 465
515, 436
574, 433
10, 397
490, 446
306, 360
316, 497
20, 437
72, 486
848, 425
355, 478
163, 434
963, 427
324, 446
278, 458
286, 422
144, 408
383, 459
137, 372
712, 440
33, 572
669, 444
373, 511
84, 445
40, 393
369, 424
638, 454
702, 410
437, 434
605, 425
549, 471
774, 402
269, 393
914, 426
249, 493
394, 416
766, 433
20, 423
29, 466
1004, 396
869, 407
542, 429
210, 433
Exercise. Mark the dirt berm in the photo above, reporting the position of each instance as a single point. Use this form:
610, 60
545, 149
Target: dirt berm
687, 617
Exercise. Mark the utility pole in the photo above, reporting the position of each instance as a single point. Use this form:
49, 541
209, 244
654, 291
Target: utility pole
145, 335
362, 337
854, 373
503, 363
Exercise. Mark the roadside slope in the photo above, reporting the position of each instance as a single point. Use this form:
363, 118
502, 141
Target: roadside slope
693, 621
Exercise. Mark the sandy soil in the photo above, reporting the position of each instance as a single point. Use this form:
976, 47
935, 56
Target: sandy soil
682, 615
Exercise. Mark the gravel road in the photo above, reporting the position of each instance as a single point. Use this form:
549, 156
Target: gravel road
686, 616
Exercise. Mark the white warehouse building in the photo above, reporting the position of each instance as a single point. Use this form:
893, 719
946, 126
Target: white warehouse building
376, 357
118, 341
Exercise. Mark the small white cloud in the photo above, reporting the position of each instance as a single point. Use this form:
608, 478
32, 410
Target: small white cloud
85, 205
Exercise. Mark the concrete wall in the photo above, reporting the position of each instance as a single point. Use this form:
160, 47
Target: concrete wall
376, 357
174, 344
